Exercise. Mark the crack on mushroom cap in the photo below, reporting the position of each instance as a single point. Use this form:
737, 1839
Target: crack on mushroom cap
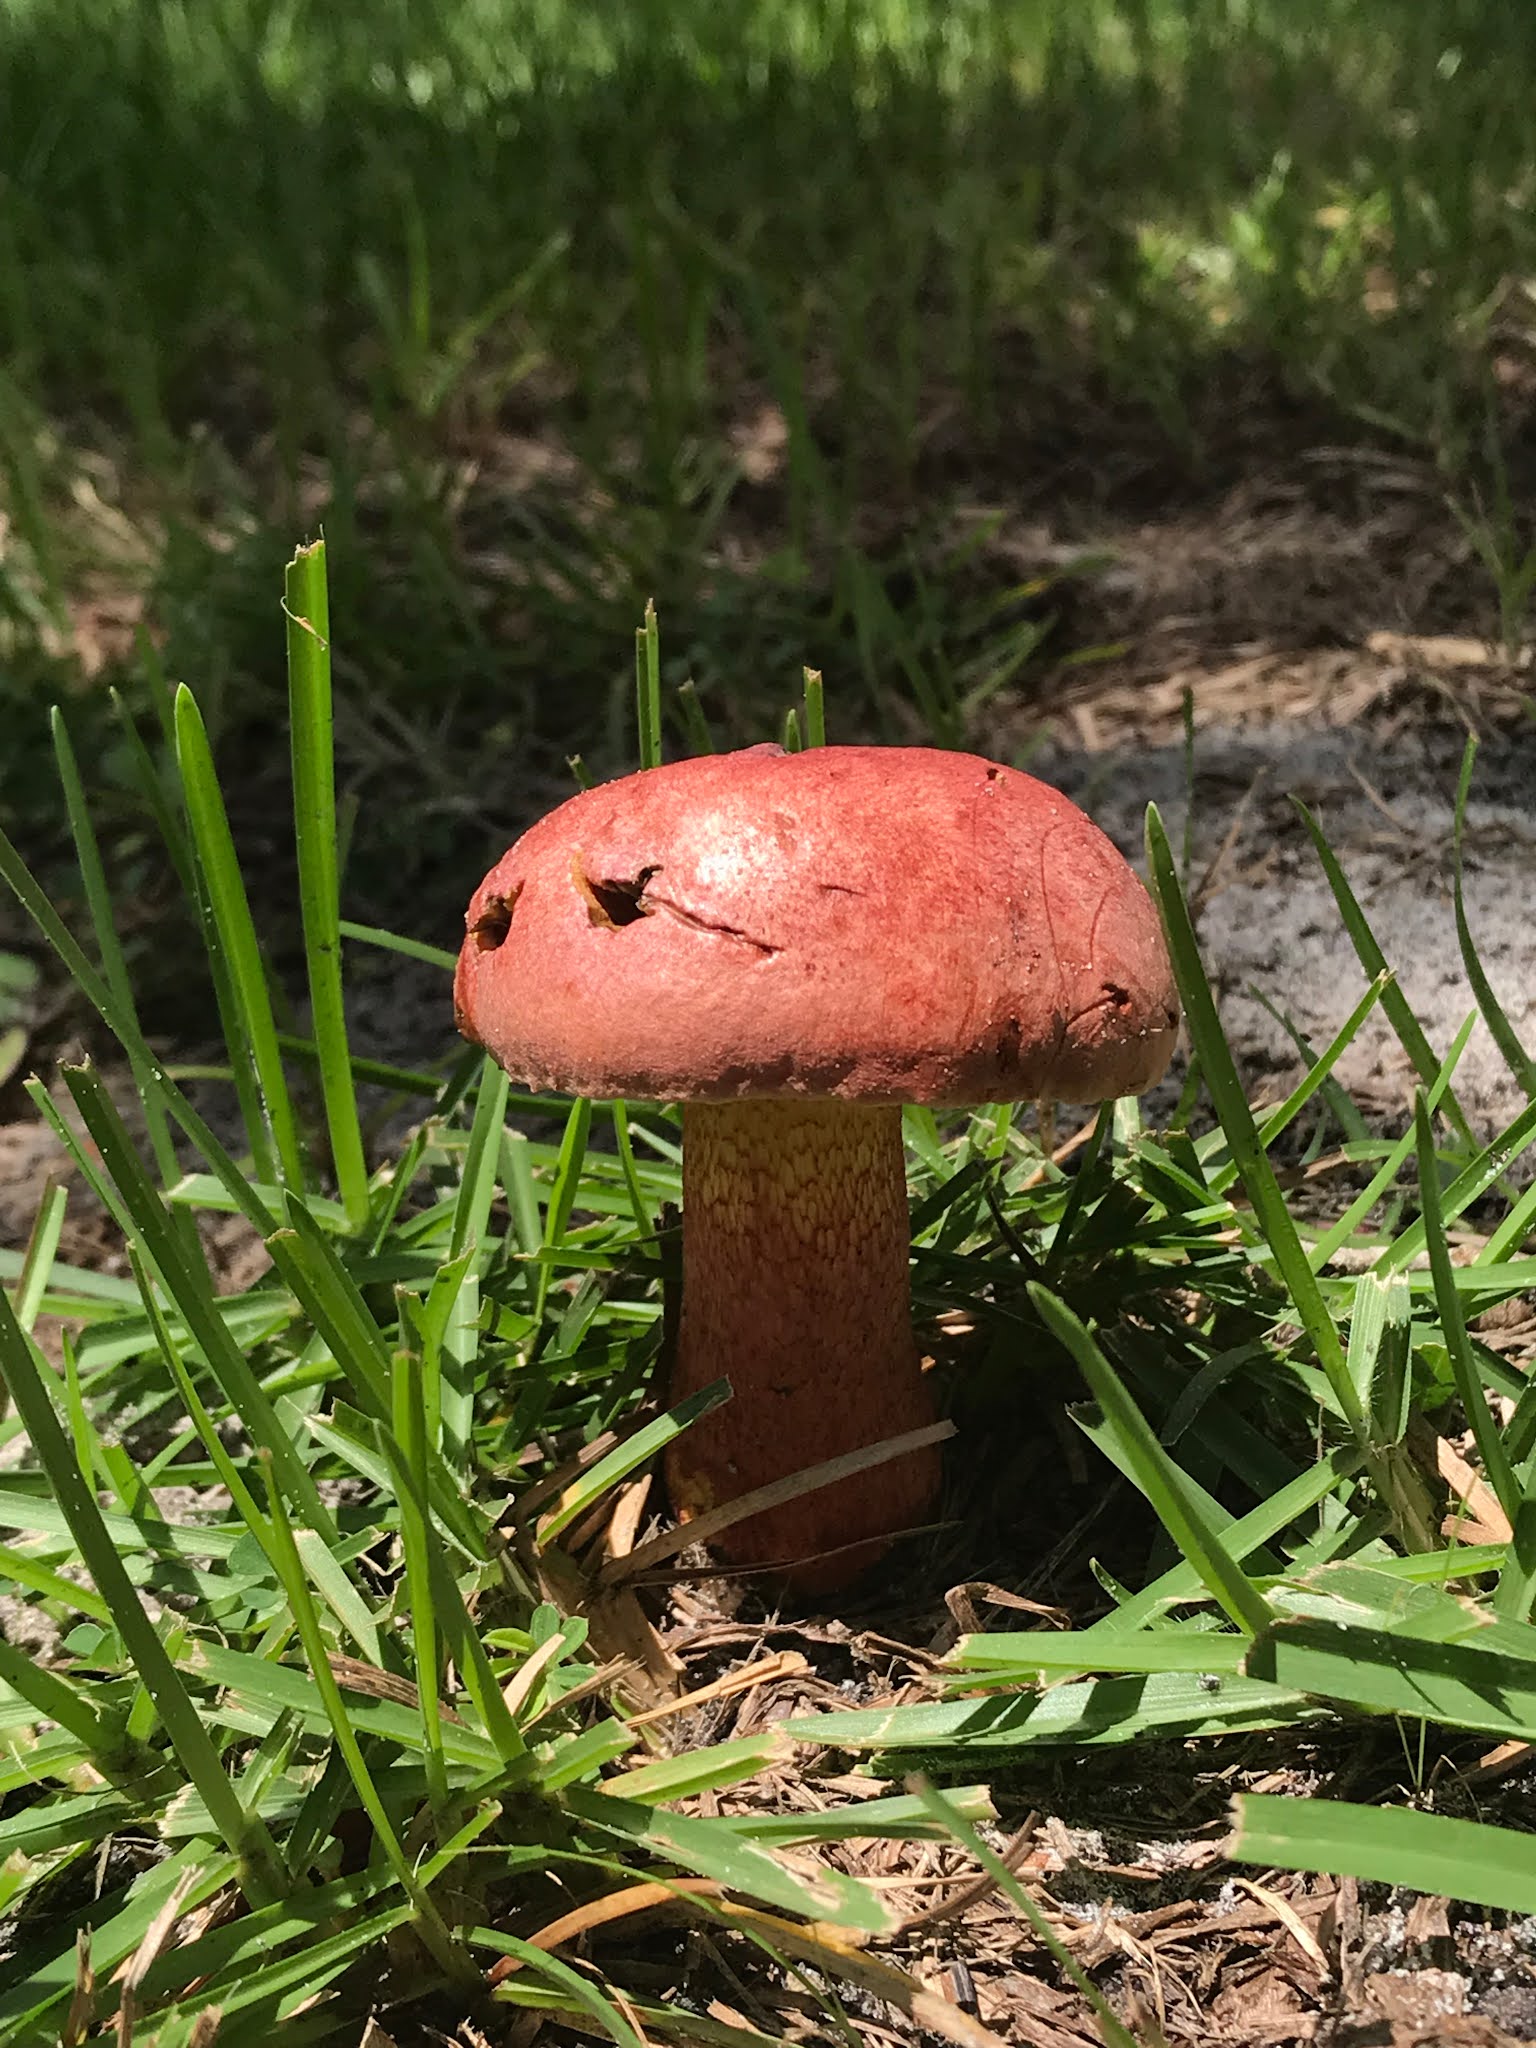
615, 903
715, 927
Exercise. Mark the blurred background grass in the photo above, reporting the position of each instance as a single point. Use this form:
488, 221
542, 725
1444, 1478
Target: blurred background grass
768, 311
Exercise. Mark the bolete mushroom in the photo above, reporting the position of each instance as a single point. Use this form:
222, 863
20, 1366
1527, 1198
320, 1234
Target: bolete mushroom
792, 946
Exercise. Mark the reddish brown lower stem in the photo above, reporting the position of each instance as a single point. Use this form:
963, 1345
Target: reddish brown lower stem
795, 1288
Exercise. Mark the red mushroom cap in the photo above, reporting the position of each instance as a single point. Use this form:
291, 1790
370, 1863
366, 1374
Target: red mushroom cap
880, 924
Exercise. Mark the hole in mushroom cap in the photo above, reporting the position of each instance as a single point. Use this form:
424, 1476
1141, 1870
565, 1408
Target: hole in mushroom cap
615, 903
1120, 997
490, 928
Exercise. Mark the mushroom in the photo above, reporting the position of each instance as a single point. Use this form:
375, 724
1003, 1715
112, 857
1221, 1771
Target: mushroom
792, 946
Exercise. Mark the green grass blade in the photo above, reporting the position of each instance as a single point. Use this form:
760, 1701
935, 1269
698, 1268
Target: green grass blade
460, 1348
291, 1982
710, 1769
1511, 1233
24, 1570
1380, 1352
619, 1463
1315, 1078
456, 1626
943, 1810
902, 1818
562, 1192
1386, 1174
582, 1992
1029, 1657
150, 783
334, 1304
340, 1312
306, 604
695, 725
114, 966
106, 1467
648, 688
1399, 1010
1345, 1113
341, 1595
410, 1429
1104, 1712
261, 1875
51, 1979
434, 1932
522, 1190
1389, 1672
230, 912
258, 1691
733, 1861
815, 709
1500, 1030
228, 1471
403, 1080
477, 1188
429, 1317
188, 1283
56, 1699
42, 1249
1231, 1104
43, 1517
1240, 1539
1469, 1386
219, 1952
639, 1208
1155, 1472
1469, 1186
392, 942
1423, 1852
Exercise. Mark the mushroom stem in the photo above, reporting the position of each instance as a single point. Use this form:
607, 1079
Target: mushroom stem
795, 1286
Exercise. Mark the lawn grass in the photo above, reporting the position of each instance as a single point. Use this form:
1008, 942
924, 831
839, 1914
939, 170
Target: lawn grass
344, 1727
549, 311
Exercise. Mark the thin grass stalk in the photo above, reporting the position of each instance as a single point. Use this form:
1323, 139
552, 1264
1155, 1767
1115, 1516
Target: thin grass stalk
410, 1429
1502, 1032
233, 932
695, 724
954, 1823
1453, 1324
562, 1195
306, 604
42, 1250
648, 688
1273, 1217
815, 709
460, 1347
114, 966
1410, 1031
1155, 1472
